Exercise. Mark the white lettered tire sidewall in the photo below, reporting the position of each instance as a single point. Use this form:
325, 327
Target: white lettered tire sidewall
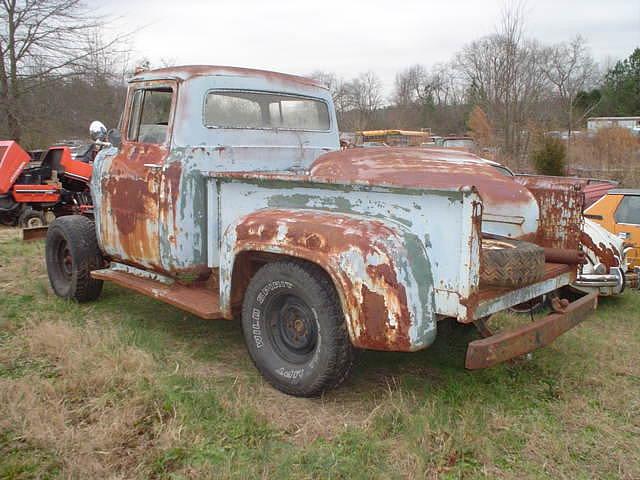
318, 372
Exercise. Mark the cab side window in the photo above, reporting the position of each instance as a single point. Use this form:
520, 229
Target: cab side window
629, 210
150, 114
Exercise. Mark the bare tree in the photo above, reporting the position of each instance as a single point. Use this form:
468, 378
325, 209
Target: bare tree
504, 75
571, 69
42, 40
428, 97
365, 98
338, 89
404, 88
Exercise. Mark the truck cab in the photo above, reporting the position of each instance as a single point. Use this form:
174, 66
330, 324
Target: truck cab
225, 194
150, 192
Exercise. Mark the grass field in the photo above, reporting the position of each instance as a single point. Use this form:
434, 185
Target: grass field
130, 388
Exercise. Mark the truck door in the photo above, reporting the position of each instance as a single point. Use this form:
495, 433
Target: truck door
129, 211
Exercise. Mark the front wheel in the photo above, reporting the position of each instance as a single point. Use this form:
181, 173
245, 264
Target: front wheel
72, 253
295, 330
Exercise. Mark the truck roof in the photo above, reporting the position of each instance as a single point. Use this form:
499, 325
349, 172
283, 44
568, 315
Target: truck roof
187, 72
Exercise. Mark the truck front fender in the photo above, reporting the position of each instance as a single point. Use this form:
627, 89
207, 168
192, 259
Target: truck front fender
380, 270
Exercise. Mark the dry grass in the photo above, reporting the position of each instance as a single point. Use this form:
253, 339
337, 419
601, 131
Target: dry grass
130, 388
612, 153
92, 407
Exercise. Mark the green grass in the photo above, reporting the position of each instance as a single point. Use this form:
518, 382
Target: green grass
202, 411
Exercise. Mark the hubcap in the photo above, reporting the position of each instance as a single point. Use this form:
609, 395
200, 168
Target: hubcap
65, 260
34, 222
292, 328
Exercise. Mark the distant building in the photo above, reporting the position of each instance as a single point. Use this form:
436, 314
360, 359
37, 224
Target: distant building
596, 123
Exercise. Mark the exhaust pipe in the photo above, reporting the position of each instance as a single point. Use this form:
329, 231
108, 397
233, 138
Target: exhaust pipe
564, 255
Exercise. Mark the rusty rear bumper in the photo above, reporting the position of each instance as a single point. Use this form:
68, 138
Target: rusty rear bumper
503, 346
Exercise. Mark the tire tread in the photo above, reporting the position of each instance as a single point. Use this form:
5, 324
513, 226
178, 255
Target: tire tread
341, 362
80, 233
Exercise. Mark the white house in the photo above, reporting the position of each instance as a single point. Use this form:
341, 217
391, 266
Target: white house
596, 123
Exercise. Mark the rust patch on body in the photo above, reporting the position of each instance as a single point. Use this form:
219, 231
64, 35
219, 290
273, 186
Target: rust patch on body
503, 346
169, 200
606, 255
130, 205
373, 298
439, 169
129, 200
560, 203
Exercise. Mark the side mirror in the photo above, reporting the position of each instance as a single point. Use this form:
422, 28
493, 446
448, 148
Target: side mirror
98, 131
114, 137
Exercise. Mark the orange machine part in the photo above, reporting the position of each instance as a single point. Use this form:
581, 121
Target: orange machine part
74, 168
13, 159
36, 193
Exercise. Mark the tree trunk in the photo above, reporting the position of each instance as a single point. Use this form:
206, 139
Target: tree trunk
13, 124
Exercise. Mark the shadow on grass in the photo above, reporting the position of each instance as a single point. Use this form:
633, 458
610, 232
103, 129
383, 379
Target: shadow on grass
437, 371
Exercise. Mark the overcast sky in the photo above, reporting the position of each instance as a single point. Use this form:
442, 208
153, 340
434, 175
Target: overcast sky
348, 37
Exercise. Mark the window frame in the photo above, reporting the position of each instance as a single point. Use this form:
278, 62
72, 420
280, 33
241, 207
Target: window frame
264, 92
144, 87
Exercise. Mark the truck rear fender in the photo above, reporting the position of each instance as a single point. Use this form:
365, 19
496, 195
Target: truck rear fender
380, 270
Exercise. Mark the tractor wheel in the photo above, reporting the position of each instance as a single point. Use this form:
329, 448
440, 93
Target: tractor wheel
71, 254
31, 218
8, 220
295, 330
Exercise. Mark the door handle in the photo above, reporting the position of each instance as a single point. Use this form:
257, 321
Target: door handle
153, 165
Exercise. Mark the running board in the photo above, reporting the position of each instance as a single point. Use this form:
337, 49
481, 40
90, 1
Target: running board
198, 300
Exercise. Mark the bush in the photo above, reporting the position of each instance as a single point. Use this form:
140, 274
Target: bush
549, 157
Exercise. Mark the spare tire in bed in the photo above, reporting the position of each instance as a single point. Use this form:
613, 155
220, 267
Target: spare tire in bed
510, 263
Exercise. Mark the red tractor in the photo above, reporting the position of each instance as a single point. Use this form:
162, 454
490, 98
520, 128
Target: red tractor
57, 185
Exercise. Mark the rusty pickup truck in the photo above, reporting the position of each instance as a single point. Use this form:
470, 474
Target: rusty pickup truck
225, 194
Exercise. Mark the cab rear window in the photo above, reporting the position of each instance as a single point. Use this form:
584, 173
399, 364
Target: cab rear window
261, 110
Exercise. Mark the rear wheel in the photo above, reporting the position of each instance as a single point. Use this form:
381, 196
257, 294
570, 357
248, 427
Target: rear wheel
294, 329
71, 254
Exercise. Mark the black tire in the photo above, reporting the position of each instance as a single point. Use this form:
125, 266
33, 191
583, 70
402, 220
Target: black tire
295, 330
72, 253
31, 218
510, 263
8, 220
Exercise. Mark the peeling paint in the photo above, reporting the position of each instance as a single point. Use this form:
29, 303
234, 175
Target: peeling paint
398, 230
